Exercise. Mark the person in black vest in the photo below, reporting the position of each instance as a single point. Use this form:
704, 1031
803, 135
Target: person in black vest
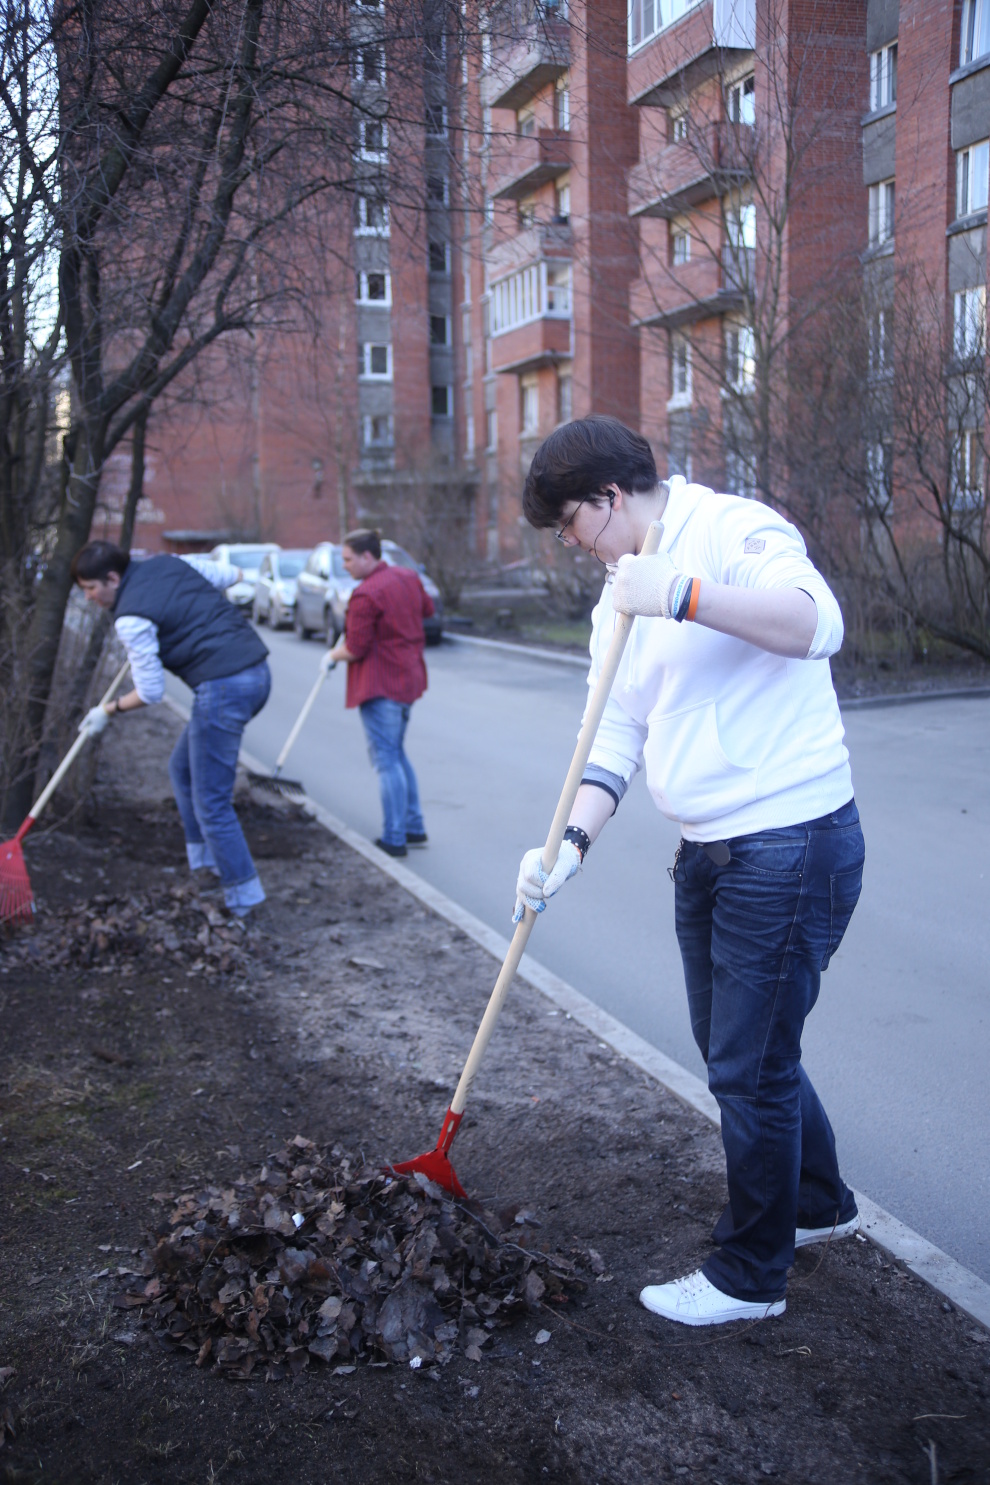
171, 614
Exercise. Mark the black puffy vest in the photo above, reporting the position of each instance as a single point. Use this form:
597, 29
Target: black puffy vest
201, 635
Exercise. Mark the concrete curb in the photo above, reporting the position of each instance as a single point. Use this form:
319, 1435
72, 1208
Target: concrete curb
964, 1289
528, 652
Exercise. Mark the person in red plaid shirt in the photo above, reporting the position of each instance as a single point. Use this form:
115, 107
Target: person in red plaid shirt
383, 646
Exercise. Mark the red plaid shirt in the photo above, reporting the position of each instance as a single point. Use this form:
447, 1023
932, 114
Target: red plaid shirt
384, 631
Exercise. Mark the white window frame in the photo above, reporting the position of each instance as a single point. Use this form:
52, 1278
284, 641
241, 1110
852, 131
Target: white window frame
544, 290
740, 101
647, 18
491, 429
740, 474
974, 32
879, 358
441, 387
679, 125
968, 470
565, 395
881, 212
740, 356
363, 149
360, 75
431, 132
368, 440
740, 225
362, 294
969, 323
681, 379
446, 257
562, 104
972, 178
526, 123
883, 77
365, 373
529, 404
444, 198
879, 481
363, 229
562, 202
680, 245
469, 434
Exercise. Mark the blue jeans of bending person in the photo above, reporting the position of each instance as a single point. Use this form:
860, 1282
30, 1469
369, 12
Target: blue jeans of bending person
755, 935
203, 767
385, 724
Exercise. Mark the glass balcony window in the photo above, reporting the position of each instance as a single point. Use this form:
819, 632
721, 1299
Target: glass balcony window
541, 291
647, 17
972, 178
974, 33
883, 77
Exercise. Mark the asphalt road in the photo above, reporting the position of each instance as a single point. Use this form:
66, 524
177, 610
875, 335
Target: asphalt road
899, 1044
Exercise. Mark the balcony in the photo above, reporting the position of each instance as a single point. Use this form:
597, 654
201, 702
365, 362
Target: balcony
552, 240
709, 40
524, 163
521, 67
713, 160
670, 298
530, 317
527, 347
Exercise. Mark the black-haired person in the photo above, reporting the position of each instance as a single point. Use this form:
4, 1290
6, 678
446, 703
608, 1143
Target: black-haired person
725, 695
171, 614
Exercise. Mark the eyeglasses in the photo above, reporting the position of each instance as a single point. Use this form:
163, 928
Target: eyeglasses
589, 499
560, 535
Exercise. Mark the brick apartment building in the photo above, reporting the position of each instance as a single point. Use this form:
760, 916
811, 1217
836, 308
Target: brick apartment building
632, 208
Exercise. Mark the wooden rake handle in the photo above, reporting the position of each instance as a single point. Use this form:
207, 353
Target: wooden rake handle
297, 727
582, 752
76, 748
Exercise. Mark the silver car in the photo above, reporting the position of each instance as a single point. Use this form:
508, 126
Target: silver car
275, 589
325, 586
247, 556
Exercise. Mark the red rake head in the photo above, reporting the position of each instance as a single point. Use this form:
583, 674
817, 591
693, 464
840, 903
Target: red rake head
435, 1164
16, 897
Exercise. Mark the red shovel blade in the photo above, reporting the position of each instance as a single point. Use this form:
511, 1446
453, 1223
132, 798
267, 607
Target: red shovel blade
435, 1164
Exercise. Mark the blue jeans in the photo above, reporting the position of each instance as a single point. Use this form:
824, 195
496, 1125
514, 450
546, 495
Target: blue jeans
203, 767
385, 724
755, 935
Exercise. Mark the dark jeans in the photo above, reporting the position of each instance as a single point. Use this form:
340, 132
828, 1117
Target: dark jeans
385, 724
754, 936
203, 767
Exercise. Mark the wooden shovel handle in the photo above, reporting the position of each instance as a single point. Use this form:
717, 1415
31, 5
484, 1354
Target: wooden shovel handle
299, 722
579, 762
76, 748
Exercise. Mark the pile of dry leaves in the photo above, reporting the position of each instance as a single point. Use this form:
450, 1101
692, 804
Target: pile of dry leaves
120, 931
320, 1258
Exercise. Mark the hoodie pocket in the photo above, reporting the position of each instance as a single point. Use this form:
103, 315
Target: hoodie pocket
687, 770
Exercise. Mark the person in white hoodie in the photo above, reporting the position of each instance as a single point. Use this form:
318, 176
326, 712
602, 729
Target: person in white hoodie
725, 696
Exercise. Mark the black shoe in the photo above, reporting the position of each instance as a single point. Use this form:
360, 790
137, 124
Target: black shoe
417, 839
390, 850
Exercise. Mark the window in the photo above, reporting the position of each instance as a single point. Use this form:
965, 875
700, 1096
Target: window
489, 209
740, 473
968, 470
740, 222
439, 257
369, 64
529, 397
679, 128
881, 213
878, 477
740, 357
374, 288
974, 33
883, 77
562, 204
375, 362
491, 429
680, 246
440, 402
972, 178
680, 370
436, 190
562, 104
647, 17
558, 297
469, 434
880, 345
526, 125
439, 330
373, 139
372, 217
542, 289
486, 46
436, 120
377, 431
740, 101
565, 397
969, 337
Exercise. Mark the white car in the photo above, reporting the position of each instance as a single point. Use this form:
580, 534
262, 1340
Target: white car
275, 589
247, 556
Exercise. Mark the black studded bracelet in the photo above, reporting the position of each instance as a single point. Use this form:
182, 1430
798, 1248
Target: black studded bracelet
579, 838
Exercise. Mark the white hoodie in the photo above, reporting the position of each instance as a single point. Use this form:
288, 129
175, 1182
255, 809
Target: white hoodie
735, 740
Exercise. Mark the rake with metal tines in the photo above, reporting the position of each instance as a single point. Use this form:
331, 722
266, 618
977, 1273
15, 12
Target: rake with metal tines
273, 781
435, 1164
16, 897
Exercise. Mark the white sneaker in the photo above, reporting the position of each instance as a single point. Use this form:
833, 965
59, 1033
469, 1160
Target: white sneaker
805, 1236
695, 1301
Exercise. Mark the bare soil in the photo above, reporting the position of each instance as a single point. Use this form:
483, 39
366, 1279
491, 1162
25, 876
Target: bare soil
146, 1057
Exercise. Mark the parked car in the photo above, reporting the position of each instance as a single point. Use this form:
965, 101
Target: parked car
275, 589
324, 588
247, 556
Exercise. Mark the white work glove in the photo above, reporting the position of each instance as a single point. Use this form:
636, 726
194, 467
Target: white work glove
534, 885
644, 585
94, 721
327, 663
